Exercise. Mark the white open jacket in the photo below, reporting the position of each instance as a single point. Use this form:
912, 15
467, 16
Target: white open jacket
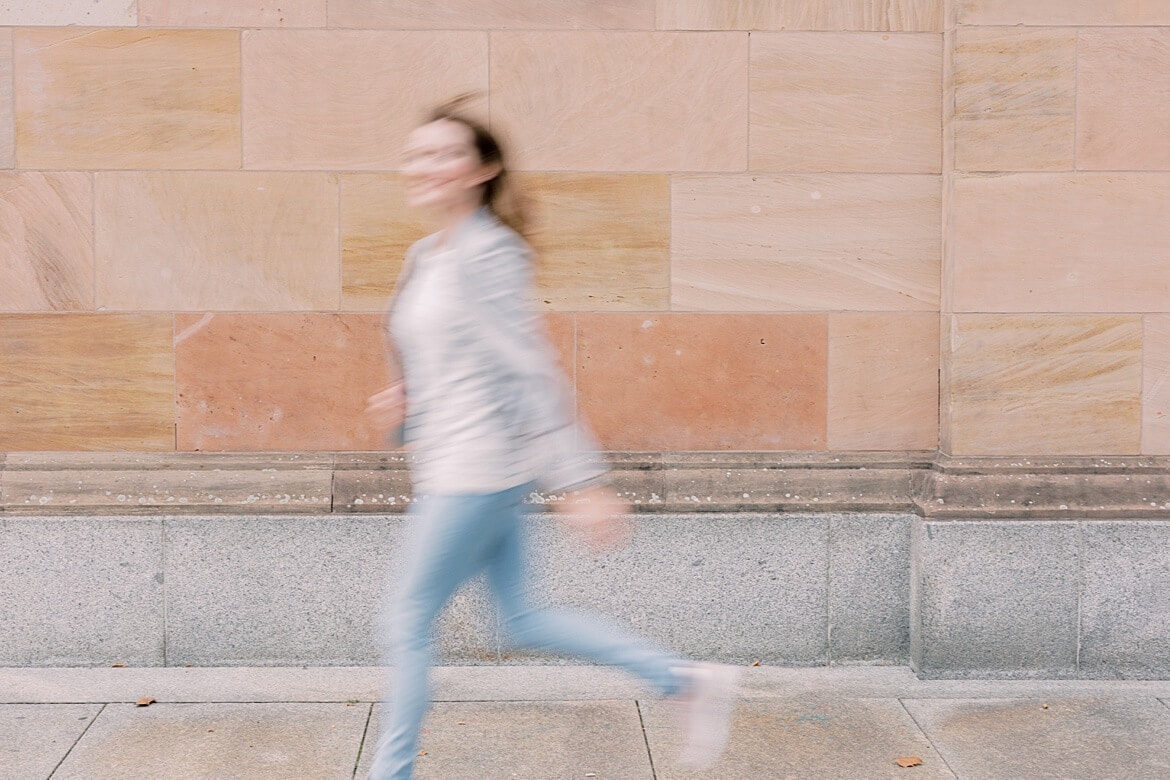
488, 406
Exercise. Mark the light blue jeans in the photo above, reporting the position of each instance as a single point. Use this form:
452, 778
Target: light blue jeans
450, 540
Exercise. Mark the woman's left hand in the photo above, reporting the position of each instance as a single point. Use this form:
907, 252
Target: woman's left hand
598, 516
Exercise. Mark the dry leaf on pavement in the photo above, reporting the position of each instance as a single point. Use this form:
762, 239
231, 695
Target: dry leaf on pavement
145, 701
906, 761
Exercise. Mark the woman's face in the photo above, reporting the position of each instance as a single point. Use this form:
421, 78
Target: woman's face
442, 168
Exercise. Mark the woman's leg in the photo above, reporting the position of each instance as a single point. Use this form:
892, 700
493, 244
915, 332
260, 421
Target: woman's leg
568, 631
446, 545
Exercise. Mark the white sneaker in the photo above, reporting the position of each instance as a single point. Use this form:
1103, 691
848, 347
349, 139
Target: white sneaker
707, 701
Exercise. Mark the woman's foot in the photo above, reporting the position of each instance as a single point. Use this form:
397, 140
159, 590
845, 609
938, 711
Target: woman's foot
706, 701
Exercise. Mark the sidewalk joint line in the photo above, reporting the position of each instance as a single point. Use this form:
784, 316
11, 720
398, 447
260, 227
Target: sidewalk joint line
362, 744
645, 740
80, 736
923, 732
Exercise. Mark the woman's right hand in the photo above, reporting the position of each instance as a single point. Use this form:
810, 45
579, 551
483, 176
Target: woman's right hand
387, 407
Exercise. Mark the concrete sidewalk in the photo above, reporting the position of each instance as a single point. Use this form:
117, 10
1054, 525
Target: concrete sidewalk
566, 722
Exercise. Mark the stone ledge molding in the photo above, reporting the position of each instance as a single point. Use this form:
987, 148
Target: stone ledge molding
929, 484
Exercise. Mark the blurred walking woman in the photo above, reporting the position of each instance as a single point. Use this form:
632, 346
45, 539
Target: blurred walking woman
486, 414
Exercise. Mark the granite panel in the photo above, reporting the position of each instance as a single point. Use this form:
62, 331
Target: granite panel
846, 102
856, 242
968, 617
46, 241
346, 99
1125, 598
86, 382
879, 15
1061, 12
127, 98
1045, 385
7, 107
215, 241
283, 382
81, 593
883, 381
1123, 106
622, 101
602, 241
1052, 242
113, 13
298, 590
500, 14
1015, 99
231, 13
526, 739
1156, 384
703, 381
869, 588
1048, 738
195, 741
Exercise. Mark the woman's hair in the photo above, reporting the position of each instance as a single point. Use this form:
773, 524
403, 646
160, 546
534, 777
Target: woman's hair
499, 193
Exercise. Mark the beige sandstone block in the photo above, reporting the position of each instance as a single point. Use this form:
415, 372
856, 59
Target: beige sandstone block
830, 242
1045, 385
602, 241
346, 99
1061, 242
1156, 385
56, 13
498, 14
622, 101
1123, 104
216, 241
46, 241
1054, 12
376, 230
7, 118
883, 381
87, 382
862, 102
231, 13
1015, 99
127, 98
874, 15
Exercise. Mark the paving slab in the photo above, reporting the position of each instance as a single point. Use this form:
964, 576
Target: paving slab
808, 737
527, 740
1061, 739
35, 737
223, 741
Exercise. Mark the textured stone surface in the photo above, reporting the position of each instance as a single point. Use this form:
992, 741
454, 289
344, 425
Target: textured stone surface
1156, 384
880, 15
1048, 739
853, 242
216, 241
969, 615
502, 14
1125, 599
300, 382
735, 588
194, 741
1081, 224
7, 109
115, 13
35, 737
625, 101
809, 736
1061, 12
230, 13
526, 739
869, 588
81, 592
1123, 107
46, 244
846, 102
128, 98
376, 231
346, 99
86, 382
1038, 385
883, 381
686, 381
1015, 99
